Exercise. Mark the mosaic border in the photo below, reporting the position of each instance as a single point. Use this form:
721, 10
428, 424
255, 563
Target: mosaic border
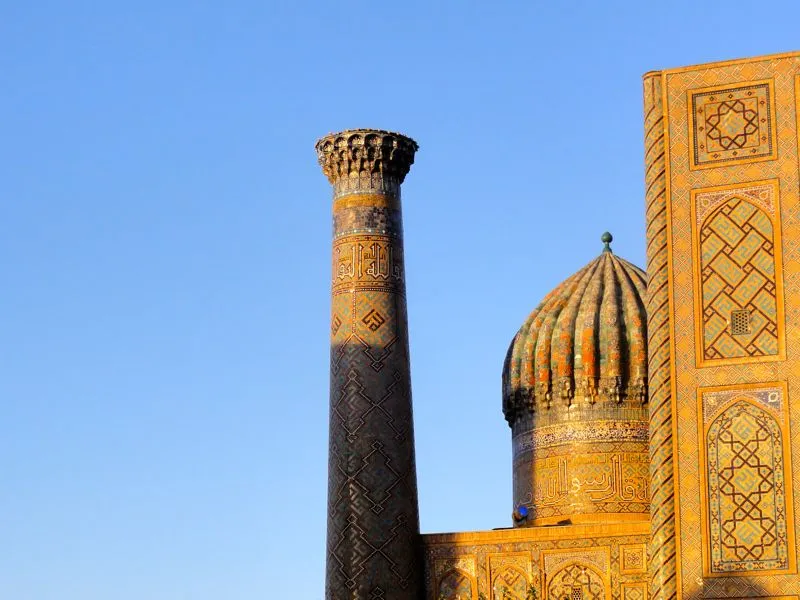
576, 432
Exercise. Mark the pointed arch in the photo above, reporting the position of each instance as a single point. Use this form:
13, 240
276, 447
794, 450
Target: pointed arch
737, 274
455, 585
745, 488
576, 580
510, 584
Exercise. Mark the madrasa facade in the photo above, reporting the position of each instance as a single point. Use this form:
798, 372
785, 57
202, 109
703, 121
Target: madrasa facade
651, 414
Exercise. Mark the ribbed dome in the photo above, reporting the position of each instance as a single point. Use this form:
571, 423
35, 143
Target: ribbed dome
586, 341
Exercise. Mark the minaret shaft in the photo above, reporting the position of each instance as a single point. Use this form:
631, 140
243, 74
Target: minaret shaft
373, 522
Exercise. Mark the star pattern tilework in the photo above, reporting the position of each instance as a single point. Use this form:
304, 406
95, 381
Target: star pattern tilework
732, 124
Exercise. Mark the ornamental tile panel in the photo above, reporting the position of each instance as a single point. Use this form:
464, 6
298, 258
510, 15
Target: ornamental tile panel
732, 124
746, 499
738, 283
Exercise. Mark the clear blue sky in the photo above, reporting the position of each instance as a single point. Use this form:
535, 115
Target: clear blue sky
165, 244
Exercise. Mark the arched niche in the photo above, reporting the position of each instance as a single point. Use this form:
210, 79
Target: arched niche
576, 581
455, 585
737, 275
510, 584
746, 508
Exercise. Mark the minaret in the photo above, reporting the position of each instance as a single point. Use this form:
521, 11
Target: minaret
373, 519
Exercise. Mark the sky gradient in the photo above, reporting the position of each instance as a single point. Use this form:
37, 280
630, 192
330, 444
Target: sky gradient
165, 238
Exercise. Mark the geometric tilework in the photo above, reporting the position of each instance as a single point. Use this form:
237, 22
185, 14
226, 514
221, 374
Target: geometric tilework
770, 397
732, 124
633, 559
510, 584
634, 591
455, 579
455, 585
598, 558
367, 220
372, 512
502, 560
761, 193
746, 491
737, 277
576, 580
465, 564
509, 576
373, 319
373, 522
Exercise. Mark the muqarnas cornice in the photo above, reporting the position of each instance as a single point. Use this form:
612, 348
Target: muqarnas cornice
366, 160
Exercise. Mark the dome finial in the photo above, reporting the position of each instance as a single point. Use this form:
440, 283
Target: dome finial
607, 238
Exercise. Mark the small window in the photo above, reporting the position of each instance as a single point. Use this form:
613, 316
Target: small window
740, 322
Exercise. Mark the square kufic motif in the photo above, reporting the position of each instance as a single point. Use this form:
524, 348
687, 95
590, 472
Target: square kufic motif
634, 591
632, 559
738, 274
732, 124
510, 574
454, 577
